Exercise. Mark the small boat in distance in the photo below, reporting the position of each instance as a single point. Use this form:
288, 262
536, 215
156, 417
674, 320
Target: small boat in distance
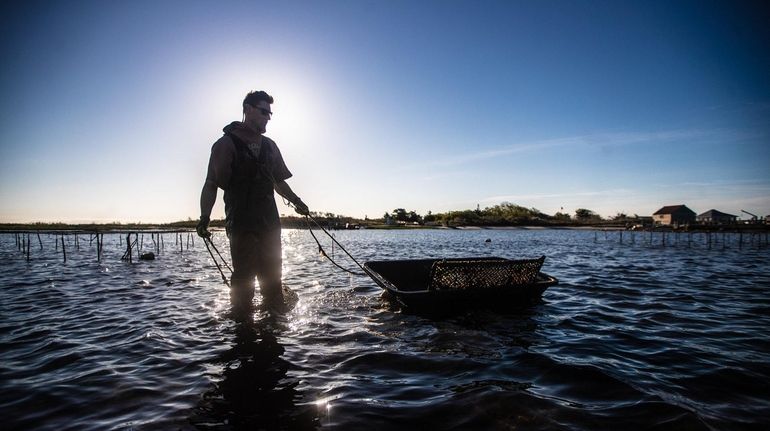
438, 285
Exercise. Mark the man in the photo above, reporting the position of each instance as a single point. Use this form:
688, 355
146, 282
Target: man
248, 166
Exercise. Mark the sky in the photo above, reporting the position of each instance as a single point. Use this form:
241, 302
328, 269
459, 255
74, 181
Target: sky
109, 109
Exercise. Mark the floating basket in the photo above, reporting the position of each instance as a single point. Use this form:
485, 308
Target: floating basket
483, 274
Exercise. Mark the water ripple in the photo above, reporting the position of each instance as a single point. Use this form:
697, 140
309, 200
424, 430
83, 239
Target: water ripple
636, 335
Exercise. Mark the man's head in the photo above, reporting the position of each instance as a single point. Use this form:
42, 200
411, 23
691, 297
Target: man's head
256, 110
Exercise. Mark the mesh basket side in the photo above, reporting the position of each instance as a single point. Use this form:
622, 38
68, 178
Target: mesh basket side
482, 274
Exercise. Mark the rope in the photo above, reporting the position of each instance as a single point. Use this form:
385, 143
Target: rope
320, 247
207, 241
336, 242
323, 252
220, 254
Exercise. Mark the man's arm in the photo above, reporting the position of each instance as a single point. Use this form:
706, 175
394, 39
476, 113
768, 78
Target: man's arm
283, 189
218, 173
208, 197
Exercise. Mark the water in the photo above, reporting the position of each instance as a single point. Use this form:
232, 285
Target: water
635, 336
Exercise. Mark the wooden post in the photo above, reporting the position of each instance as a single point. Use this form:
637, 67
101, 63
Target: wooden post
180, 243
40, 240
28, 247
128, 253
63, 249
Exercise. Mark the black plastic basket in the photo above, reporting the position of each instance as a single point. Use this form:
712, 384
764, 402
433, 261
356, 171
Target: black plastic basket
483, 273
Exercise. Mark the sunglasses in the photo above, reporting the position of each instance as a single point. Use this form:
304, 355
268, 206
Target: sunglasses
265, 112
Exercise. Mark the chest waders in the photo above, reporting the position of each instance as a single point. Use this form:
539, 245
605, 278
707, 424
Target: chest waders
249, 199
253, 225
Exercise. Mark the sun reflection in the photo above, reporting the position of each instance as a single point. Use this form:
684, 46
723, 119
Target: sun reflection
324, 406
221, 301
317, 286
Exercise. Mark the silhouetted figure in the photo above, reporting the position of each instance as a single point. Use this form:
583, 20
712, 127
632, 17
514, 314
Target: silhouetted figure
248, 166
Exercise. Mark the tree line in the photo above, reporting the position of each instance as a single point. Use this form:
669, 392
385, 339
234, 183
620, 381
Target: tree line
504, 214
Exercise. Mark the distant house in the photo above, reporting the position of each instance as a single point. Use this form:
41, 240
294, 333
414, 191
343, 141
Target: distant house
713, 216
674, 215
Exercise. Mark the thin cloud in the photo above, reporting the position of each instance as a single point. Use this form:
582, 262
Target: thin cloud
743, 185
599, 139
539, 196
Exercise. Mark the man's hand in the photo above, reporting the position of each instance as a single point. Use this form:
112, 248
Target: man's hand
301, 208
203, 227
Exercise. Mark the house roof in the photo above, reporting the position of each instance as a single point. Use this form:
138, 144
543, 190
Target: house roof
674, 209
714, 213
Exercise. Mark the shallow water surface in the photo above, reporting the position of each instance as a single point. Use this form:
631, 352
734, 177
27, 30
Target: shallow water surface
636, 335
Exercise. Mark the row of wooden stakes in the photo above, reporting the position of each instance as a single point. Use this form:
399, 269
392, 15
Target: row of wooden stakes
134, 243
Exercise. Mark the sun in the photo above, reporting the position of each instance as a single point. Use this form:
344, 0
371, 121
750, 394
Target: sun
298, 113
297, 117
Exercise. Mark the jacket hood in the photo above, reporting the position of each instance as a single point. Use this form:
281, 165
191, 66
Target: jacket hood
242, 132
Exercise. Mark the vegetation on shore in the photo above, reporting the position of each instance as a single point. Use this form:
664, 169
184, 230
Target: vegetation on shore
508, 214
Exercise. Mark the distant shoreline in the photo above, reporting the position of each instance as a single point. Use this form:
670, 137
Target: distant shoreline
186, 227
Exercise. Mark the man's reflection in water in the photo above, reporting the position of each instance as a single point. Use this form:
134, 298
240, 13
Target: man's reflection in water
254, 392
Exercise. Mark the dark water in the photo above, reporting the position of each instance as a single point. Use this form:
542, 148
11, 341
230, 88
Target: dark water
635, 336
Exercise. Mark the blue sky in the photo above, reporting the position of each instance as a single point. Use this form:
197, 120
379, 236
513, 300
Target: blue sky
109, 109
